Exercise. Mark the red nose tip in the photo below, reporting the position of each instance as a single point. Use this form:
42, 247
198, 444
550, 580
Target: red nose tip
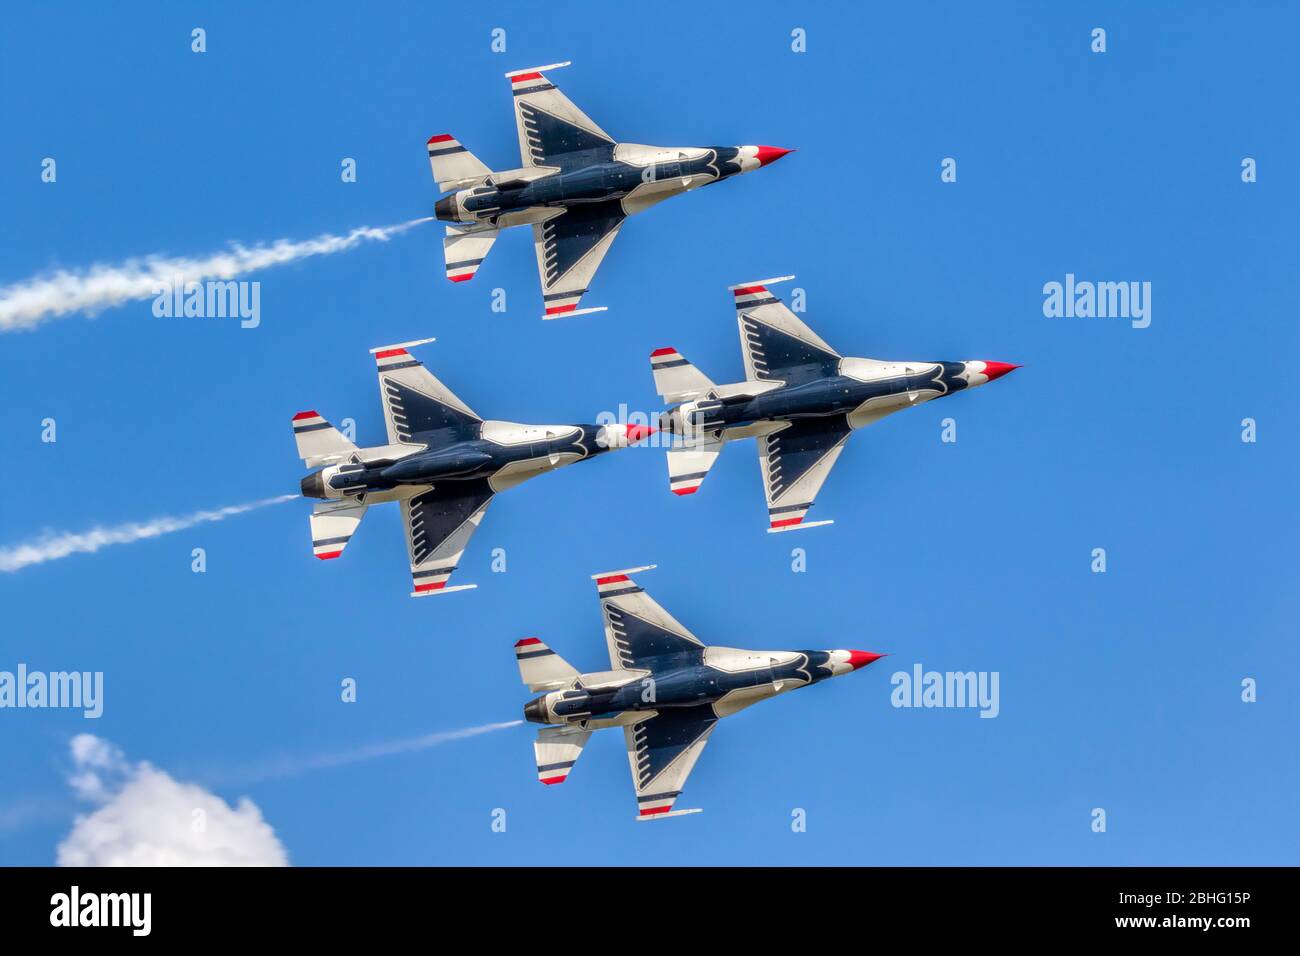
862, 658
637, 432
770, 154
998, 369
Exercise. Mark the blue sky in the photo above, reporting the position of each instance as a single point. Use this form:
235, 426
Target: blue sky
1118, 690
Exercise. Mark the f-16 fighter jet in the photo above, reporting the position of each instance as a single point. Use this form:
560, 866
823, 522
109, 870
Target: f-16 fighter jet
575, 188
664, 688
443, 464
800, 399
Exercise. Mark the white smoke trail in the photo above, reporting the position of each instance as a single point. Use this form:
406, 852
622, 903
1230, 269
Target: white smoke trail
280, 768
103, 776
53, 545
30, 302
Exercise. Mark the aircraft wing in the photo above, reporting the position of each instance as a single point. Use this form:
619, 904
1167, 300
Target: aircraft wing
570, 248
439, 524
795, 461
662, 752
417, 407
637, 629
548, 123
776, 344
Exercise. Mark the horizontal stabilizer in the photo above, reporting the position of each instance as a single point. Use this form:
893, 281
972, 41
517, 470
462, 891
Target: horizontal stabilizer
453, 165
465, 249
319, 442
557, 749
332, 525
677, 380
688, 465
540, 667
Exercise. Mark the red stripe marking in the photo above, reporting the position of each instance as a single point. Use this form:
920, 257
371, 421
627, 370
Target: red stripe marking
662, 352
528, 640
749, 290
785, 521
326, 555
612, 579
653, 810
464, 277
301, 415
389, 353
561, 308
525, 76
686, 491
550, 780
440, 138
435, 586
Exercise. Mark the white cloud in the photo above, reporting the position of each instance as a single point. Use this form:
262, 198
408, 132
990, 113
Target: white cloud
145, 817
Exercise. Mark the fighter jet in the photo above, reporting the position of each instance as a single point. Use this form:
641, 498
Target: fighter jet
800, 399
443, 464
575, 188
664, 688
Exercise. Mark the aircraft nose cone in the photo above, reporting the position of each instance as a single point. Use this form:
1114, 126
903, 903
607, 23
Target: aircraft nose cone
997, 369
859, 659
621, 436
313, 486
770, 154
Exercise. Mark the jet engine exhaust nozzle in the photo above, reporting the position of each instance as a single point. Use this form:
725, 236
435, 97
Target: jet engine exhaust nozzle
313, 485
445, 209
535, 711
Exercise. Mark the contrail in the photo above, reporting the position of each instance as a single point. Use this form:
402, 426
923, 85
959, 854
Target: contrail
280, 768
53, 545
30, 302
